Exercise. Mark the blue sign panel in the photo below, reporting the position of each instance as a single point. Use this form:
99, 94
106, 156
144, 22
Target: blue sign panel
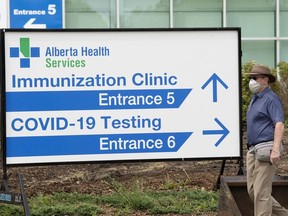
44, 14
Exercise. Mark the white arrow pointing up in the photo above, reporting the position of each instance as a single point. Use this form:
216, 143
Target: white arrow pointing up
30, 24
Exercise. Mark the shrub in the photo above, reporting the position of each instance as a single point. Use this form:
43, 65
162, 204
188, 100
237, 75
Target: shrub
281, 87
246, 93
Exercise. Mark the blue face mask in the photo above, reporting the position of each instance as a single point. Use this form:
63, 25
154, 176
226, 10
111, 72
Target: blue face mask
254, 86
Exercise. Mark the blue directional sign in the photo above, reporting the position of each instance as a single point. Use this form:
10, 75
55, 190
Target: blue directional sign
224, 132
69, 145
44, 14
81, 100
214, 78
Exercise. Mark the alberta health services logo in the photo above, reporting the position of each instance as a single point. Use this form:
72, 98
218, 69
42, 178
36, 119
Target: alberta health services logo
24, 52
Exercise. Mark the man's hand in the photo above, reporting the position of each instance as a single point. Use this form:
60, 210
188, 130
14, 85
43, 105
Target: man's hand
275, 156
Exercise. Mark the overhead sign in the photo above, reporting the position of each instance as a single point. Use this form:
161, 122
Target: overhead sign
44, 14
121, 95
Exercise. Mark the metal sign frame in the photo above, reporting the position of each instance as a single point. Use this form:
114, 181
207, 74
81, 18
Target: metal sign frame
205, 132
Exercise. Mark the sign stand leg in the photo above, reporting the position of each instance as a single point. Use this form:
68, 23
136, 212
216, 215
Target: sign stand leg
241, 170
4, 184
220, 174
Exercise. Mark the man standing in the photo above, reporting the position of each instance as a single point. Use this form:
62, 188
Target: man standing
265, 128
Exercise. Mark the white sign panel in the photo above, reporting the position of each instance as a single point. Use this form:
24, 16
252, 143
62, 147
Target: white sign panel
76, 96
3, 13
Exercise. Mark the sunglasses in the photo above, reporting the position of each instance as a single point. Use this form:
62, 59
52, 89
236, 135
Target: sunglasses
256, 77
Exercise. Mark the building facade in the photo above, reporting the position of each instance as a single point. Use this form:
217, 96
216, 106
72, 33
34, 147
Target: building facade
263, 23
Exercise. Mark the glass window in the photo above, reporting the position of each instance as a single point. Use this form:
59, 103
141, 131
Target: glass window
283, 18
197, 13
144, 13
90, 13
256, 18
284, 51
260, 51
